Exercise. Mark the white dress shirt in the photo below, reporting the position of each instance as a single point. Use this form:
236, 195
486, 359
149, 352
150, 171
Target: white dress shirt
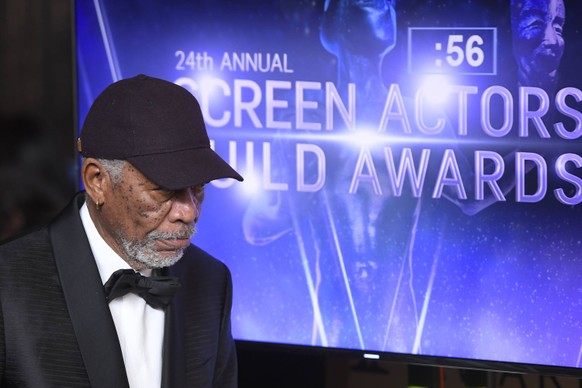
140, 328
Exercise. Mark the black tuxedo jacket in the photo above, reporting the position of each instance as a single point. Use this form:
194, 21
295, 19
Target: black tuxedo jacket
56, 329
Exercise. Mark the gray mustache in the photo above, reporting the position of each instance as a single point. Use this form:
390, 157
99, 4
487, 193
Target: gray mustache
185, 232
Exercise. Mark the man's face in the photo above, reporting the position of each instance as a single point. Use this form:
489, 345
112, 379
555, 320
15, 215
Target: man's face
147, 225
537, 35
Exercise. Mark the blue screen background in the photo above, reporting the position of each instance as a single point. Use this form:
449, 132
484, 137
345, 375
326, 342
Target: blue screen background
364, 266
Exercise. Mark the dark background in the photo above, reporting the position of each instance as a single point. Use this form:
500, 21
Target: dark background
37, 162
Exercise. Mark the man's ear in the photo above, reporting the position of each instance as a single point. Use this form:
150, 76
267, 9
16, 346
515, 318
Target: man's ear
96, 180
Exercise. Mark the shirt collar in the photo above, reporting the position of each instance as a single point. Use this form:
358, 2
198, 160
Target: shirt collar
107, 260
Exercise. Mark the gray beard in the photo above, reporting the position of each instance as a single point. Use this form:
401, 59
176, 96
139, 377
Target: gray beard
145, 253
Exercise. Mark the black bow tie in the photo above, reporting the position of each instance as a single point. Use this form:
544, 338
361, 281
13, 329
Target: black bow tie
157, 291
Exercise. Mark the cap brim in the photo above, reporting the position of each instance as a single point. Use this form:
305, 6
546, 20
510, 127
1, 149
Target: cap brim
180, 169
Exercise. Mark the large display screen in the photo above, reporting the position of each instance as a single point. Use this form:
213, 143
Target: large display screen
412, 168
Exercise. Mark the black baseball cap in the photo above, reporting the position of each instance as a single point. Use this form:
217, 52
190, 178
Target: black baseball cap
158, 127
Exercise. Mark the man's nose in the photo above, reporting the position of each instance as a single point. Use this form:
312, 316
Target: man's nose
185, 207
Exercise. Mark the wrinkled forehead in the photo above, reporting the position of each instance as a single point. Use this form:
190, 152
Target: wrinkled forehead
547, 8
526, 13
557, 8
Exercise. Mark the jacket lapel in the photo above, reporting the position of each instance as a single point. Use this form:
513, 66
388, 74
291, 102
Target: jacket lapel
173, 365
85, 300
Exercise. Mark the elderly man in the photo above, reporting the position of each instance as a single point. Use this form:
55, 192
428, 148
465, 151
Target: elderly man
538, 44
112, 293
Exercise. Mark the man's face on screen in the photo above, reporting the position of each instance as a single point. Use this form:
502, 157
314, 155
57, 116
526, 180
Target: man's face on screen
537, 27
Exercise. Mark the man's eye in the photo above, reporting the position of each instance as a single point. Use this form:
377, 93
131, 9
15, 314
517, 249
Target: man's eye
198, 191
164, 192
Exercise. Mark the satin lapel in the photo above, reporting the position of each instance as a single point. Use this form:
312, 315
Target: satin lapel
173, 367
85, 299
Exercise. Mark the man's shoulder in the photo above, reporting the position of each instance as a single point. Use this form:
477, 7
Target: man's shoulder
196, 256
26, 256
203, 277
198, 263
35, 241
40, 238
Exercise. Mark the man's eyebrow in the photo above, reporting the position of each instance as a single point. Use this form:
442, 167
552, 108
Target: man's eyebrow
559, 19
